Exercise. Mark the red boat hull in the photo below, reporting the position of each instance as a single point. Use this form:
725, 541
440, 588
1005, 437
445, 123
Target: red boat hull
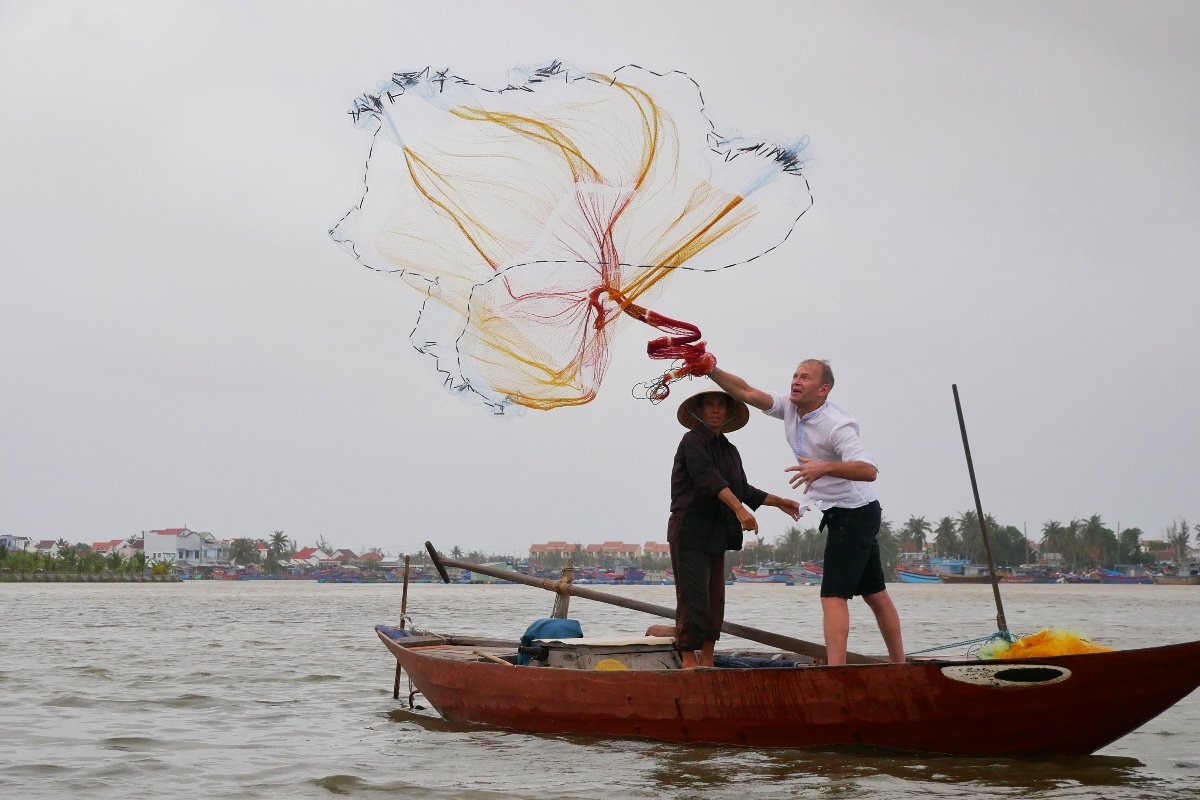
913, 706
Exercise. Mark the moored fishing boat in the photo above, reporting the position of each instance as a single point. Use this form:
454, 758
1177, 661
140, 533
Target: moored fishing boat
1044, 706
762, 574
1176, 580
916, 575
1113, 577
619, 575
1032, 577
978, 578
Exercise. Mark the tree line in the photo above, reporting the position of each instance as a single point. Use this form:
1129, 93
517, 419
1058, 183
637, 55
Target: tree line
78, 559
1082, 543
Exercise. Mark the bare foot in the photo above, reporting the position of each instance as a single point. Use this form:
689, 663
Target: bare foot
689, 659
661, 630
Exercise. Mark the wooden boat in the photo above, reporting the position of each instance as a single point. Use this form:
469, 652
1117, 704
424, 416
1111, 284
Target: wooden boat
621, 575
808, 572
1031, 577
761, 574
1066, 705
984, 578
1176, 580
916, 575
1113, 577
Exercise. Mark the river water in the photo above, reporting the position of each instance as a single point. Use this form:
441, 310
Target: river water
281, 690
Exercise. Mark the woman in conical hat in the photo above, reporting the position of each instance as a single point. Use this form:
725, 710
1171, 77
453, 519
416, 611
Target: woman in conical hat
709, 499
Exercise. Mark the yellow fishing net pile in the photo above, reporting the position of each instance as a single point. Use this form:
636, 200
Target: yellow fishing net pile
1044, 643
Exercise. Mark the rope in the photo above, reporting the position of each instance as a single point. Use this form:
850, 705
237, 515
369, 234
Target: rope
1006, 635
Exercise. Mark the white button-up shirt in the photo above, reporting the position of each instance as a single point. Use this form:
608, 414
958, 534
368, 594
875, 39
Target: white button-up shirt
827, 434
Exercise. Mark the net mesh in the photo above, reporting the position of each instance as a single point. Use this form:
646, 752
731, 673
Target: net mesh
541, 218
1043, 644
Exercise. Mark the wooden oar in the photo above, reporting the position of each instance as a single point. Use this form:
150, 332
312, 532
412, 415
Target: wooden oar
562, 587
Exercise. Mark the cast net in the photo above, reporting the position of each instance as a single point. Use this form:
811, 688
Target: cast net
1043, 644
541, 218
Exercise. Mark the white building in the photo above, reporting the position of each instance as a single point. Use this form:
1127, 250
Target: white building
16, 542
162, 545
309, 557
185, 547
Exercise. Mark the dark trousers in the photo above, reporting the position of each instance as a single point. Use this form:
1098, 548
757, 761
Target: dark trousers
699, 596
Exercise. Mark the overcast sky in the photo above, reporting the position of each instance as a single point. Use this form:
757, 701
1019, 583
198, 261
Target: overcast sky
1006, 197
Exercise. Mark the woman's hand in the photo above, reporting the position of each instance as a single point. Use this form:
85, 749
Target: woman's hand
749, 523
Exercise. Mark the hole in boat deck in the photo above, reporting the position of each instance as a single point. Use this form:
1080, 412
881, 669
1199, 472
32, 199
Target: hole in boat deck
1029, 674
1003, 676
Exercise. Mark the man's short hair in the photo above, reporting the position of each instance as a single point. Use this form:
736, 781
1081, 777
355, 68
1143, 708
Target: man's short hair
826, 370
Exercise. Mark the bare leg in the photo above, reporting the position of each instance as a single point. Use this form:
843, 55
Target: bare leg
889, 623
837, 629
689, 659
706, 653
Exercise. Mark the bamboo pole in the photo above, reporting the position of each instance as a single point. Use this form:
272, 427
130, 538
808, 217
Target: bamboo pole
562, 600
403, 614
561, 587
1001, 622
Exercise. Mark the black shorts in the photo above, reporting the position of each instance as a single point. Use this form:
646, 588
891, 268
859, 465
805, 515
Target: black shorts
852, 565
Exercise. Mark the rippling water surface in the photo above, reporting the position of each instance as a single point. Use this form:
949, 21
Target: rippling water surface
280, 689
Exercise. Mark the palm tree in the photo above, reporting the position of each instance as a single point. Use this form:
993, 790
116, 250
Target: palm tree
456, 552
1098, 541
787, 545
914, 532
279, 548
889, 547
1062, 539
967, 525
92, 562
945, 538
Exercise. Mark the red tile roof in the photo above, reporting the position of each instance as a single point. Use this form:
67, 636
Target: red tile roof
370, 557
306, 553
551, 547
170, 531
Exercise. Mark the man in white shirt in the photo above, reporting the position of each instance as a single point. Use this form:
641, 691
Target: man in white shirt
837, 472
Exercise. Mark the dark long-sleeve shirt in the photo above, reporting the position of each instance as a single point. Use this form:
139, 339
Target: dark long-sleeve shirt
705, 463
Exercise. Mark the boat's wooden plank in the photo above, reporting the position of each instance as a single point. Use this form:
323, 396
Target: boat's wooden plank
419, 641
450, 652
481, 641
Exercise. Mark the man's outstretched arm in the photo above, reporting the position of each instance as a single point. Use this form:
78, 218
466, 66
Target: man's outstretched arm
741, 390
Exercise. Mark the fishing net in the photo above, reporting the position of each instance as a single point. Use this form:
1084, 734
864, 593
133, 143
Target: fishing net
1045, 643
540, 218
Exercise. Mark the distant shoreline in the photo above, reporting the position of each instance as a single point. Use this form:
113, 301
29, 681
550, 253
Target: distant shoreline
61, 577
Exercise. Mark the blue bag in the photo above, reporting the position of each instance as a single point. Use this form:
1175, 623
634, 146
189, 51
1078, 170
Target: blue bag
550, 628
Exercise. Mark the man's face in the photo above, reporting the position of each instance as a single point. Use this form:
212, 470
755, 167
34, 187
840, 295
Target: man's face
714, 411
807, 388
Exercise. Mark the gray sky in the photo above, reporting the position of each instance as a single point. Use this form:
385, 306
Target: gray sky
1005, 197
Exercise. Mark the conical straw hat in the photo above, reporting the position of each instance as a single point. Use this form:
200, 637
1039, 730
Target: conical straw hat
689, 411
